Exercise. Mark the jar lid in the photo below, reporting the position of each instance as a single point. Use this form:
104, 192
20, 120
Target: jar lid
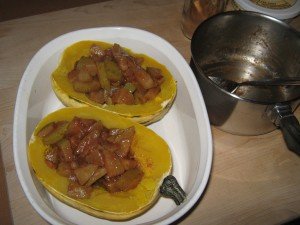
279, 9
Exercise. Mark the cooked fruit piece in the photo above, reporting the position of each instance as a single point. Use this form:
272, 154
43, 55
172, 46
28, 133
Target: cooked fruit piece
66, 151
130, 87
78, 127
95, 156
128, 180
112, 164
85, 87
97, 53
84, 173
84, 76
143, 78
103, 77
112, 70
122, 96
97, 96
77, 191
100, 172
90, 141
87, 64
151, 93
64, 169
51, 157
47, 130
56, 134
129, 164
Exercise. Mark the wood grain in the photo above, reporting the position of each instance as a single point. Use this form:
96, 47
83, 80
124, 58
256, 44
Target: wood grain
5, 214
254, 180
12, 9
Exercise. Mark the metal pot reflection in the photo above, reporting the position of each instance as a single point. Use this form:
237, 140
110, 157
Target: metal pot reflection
248, 46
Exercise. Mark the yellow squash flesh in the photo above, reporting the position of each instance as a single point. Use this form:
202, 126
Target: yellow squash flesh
146, 113
149, 149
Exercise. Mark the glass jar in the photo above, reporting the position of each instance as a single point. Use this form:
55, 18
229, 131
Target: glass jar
196, 11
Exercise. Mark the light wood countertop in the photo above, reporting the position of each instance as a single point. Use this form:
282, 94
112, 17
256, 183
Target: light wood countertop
254, 180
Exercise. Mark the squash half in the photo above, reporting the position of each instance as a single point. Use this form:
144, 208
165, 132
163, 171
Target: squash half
146, 113
149, 149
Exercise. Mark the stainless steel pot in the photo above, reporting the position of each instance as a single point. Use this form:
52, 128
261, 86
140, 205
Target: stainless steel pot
249, 46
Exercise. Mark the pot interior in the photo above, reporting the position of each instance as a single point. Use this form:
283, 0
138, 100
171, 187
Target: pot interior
244, 46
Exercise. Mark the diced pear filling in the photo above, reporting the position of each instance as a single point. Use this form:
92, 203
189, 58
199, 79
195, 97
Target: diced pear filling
112, 76
91, 155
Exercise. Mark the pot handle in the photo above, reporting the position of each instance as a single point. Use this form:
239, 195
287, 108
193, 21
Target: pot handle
289, 125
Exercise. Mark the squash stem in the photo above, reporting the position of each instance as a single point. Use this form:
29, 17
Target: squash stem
171, 189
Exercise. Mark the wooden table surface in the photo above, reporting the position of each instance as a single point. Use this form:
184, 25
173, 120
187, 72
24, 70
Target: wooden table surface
254, 180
